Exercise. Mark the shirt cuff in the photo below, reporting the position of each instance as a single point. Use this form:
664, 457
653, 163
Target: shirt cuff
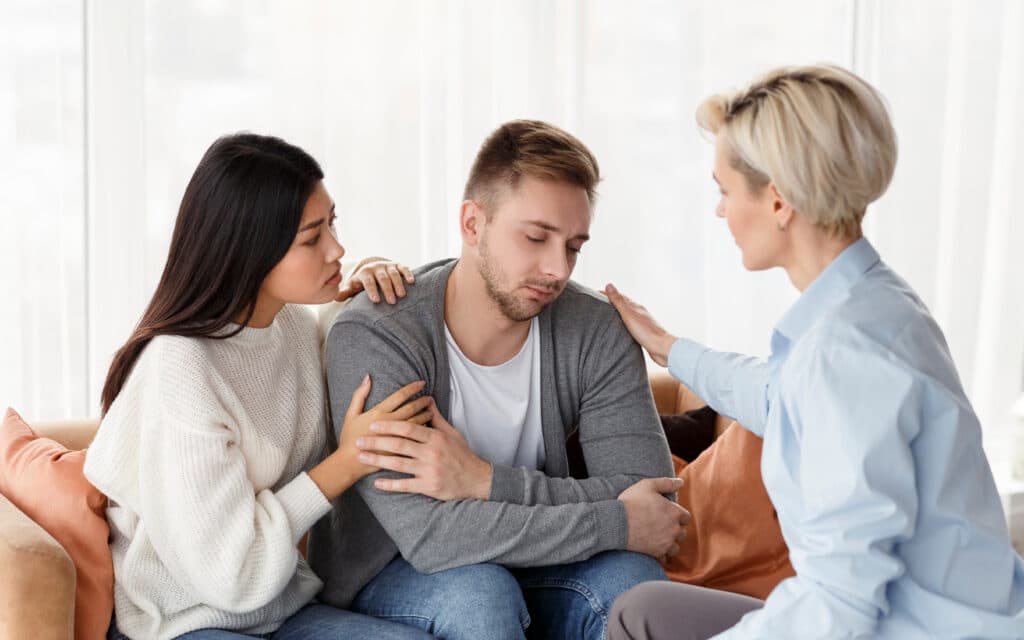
683, 358
506, 484
612, 525
303, 503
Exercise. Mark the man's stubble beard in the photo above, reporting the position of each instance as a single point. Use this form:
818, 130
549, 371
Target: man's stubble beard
508, 304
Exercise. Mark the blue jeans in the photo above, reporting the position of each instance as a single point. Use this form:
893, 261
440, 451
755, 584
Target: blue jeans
482, 601
313, 621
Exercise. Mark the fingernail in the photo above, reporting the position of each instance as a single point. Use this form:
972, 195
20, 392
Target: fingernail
374, 426
364, 457
611, 287
366, 379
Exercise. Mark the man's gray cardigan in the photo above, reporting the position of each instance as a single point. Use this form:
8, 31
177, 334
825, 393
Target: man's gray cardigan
593, 378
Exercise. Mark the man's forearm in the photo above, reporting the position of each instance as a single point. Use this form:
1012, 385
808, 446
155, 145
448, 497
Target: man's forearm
435, 535
520, 485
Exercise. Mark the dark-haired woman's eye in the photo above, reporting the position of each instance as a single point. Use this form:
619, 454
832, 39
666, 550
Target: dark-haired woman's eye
312, 241
532, 239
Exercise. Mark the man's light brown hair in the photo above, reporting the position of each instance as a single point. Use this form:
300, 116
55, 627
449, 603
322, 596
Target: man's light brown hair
529, 148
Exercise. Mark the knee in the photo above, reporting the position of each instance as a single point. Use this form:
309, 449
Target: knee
482, 601
615, 572
628, 619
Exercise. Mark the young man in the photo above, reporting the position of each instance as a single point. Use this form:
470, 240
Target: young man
483, 534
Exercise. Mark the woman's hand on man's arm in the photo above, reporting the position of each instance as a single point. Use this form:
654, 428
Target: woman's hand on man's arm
642, 325
377, 275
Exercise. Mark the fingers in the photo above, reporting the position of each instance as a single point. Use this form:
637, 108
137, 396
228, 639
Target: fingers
422, 418
615, 297
389, 463
388, 444
664, 485
350, 289
382, 277
400, 429
439, 422
355, 407
613, 294
399, 485
398, 398
407, 272
396, 280
685, 518
384, 282
410, 409
370, 284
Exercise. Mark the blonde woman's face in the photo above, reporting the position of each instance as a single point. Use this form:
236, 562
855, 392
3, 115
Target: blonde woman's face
749, 215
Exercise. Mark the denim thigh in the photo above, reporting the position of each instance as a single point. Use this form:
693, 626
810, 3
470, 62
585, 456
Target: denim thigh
574, 600
475, 602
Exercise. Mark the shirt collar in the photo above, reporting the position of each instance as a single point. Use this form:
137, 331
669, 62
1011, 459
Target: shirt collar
828, 289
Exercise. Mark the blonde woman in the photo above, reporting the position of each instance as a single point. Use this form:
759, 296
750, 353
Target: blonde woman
872, 453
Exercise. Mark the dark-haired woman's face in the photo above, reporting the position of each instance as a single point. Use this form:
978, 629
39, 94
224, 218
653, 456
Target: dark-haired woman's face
311, 270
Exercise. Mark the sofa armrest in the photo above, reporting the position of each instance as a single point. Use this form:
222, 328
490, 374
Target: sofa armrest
37, 580
73, 434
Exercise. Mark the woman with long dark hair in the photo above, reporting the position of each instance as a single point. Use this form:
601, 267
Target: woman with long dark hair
211, 449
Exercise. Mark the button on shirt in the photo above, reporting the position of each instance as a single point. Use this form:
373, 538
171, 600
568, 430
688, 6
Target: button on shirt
873, 459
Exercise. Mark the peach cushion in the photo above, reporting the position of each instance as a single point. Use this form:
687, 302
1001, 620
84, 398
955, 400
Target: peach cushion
45, 481
734, 542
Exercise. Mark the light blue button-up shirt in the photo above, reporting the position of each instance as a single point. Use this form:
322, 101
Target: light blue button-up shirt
872, 457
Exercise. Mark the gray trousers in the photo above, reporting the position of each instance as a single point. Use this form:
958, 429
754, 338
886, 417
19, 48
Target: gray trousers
669, 610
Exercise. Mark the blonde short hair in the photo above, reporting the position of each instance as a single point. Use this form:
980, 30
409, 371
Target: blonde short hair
821, 134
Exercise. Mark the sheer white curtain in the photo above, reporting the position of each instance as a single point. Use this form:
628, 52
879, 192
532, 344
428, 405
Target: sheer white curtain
43, 325
394, 97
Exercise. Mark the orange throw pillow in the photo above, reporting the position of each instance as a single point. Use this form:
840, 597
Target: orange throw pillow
734, 542
45, 481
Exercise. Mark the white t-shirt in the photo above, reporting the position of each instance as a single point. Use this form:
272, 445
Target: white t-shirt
497, 408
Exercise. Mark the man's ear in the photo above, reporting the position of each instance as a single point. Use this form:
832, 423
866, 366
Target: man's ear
782, 211
471, 221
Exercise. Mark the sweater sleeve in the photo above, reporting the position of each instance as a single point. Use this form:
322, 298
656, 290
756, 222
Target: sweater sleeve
620, 433
233, 547
434, 535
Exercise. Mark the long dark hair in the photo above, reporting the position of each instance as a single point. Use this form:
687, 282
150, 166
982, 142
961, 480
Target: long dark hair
238, 217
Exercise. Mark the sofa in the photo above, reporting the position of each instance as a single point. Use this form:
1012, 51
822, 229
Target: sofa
37, 583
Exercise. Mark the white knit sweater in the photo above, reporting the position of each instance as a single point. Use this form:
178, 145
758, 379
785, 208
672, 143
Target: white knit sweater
203, 456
